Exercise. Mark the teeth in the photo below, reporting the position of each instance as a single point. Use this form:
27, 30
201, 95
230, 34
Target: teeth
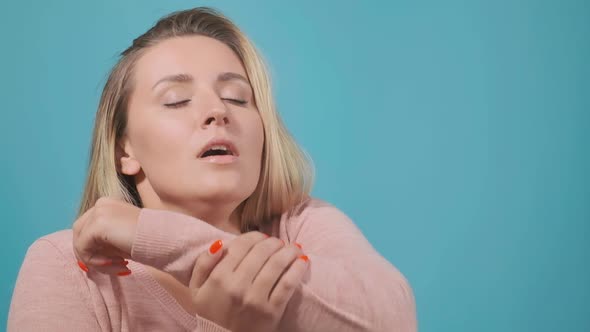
219, 147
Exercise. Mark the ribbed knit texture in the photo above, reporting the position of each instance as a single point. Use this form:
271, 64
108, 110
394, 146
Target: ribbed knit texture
347, 287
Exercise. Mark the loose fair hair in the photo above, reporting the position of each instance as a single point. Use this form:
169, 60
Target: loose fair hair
286, 173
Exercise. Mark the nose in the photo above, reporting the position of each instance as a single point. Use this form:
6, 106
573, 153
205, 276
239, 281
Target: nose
216, 116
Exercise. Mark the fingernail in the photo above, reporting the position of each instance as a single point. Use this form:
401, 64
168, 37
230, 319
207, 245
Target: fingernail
83, 266
124, 273
215, 247
298, 245
304, 257
125, 263
282, 241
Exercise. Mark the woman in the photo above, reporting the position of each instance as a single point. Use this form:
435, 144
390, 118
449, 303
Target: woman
196, 213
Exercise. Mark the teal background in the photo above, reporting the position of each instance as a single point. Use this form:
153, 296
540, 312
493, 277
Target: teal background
455, 133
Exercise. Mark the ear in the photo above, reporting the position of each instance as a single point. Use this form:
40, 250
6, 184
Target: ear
126, 162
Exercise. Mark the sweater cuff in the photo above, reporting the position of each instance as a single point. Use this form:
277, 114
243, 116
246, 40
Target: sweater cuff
171, 241
154, 238
206, 325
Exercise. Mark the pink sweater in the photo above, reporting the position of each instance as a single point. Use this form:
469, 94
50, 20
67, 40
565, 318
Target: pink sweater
348, 285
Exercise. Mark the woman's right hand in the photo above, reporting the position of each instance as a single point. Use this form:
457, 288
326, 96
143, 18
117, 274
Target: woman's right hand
103, 236
246, 286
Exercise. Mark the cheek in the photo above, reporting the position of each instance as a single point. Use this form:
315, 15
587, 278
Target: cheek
160, 139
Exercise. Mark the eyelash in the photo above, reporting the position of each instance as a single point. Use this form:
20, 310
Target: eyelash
181, 103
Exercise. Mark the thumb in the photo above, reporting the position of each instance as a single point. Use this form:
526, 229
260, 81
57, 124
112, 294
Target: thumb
205, 263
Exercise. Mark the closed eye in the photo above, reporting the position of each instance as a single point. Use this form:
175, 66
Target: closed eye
186, 101
178, 104
235, 101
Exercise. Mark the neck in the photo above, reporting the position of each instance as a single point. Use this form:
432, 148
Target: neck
222, 214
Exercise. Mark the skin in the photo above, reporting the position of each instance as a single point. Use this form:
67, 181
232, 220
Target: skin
247, 284
161, 143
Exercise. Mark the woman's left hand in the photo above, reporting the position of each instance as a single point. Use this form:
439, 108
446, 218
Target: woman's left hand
103, 236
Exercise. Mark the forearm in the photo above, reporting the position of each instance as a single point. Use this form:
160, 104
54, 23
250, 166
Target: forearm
349, 296
171, 242
348, 287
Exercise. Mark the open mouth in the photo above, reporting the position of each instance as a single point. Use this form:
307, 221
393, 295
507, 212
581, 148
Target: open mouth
217, 150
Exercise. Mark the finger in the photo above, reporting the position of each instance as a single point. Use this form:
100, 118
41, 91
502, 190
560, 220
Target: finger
79, 241
98, 260
205, 264
81, 246
237, 249
116, 197
119, 269
80, 222
107, 265
256, 258
109, 200
272, 270
87, 245
106, 260
288, 282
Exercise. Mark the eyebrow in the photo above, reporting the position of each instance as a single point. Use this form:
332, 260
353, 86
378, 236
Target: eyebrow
187, 78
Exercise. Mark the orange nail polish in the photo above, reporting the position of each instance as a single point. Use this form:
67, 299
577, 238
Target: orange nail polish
124, 273
215, 247
298, 245
304, 257
83, 266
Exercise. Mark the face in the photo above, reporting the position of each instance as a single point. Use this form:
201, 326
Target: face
191, 94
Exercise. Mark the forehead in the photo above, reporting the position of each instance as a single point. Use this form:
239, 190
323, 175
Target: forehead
202, 57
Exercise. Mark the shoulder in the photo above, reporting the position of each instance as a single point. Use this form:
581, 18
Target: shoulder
50, 268
51, 291
50, 263
317, 214
54, 245
311, 209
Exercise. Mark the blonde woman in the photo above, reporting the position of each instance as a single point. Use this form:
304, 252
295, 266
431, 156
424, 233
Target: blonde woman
196, 213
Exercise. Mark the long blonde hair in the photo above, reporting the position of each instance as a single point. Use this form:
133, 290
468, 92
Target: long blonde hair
286, 173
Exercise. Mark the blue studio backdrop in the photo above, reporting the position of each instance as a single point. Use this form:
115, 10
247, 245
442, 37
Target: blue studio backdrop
454, 133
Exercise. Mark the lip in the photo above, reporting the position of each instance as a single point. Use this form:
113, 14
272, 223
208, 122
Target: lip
219, 141
220, 159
